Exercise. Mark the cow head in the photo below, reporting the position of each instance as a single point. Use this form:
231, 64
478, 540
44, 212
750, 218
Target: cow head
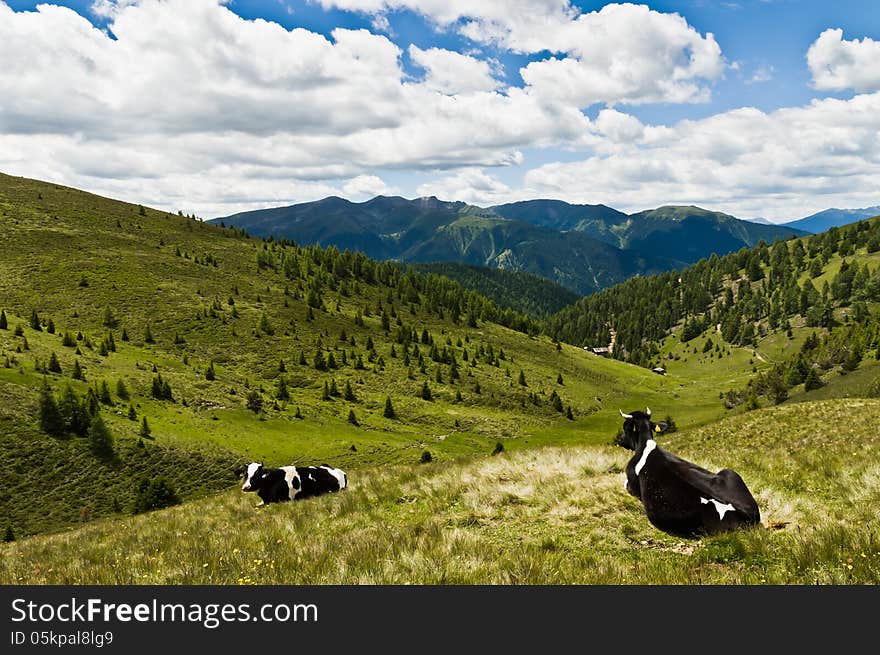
638, 428
253, 476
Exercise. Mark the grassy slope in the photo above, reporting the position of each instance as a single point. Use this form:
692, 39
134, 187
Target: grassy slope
128, 260
548, 515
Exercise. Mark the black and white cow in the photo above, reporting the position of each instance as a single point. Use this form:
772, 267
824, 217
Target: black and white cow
680, 497
291, 482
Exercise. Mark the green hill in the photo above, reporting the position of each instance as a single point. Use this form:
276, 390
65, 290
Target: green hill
521, 292
136, 294
538, 516
431, 230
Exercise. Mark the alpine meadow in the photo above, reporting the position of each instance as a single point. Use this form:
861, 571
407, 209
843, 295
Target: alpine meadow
199, 348
308, 294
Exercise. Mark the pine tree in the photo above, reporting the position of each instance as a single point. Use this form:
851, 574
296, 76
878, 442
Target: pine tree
104, 394
352, 418
569, 414
100, 439
153, 494
298, 413
71, 410
389, 409
122, 390
4, 325
51, 421
812, 381
108, 320
283, 393
559, 379
348, 394
146, 432
425, 393
522, 378
54, 364
132, 413
254, 401
209, 372
325, 395
148, 335
265, 326
35, 321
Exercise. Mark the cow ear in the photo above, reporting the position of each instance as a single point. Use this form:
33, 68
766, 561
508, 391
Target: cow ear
661, 426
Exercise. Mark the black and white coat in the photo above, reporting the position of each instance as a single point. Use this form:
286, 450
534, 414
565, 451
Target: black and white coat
680, 497
274, 485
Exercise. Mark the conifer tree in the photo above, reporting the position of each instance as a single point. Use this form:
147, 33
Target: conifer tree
51, 421
100, 439
283, 393
389, 409
4, 324
54, 364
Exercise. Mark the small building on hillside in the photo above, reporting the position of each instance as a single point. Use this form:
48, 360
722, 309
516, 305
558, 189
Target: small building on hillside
659, 370
604, 352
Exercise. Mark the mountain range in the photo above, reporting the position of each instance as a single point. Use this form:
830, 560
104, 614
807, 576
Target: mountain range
581, 247
825, 220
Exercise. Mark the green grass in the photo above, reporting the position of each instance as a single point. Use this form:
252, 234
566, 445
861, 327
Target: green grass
549, 509
537, 516
74, 254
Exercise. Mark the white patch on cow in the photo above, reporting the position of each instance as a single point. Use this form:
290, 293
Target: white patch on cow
338, 474
291, 474
649, 448
722, 508
251, 469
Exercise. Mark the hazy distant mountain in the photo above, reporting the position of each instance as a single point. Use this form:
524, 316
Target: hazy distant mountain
760, 220
690, 233
581, 247
824, 220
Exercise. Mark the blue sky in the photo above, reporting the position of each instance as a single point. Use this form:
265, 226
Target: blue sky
197, 106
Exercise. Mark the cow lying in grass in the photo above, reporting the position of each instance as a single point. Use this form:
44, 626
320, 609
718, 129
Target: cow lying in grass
291, 482
680, 497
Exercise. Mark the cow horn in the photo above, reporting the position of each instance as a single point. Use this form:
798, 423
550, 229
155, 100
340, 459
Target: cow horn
648, 411
624, 415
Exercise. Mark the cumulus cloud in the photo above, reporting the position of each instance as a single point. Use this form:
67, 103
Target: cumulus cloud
453, 73
623, 53
838, 65
787, 163
186, 88
471, 185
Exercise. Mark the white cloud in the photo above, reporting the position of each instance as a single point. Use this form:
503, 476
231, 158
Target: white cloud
630, 54
837, 65
364, 187
453, 73
188, 90
762, 74
786, 163
470, 185
621, 53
